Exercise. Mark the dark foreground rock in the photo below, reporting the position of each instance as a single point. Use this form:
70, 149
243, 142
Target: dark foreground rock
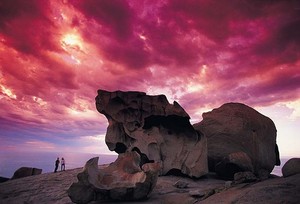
52, 188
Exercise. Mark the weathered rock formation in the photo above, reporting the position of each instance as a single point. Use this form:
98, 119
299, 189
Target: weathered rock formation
52, 188
122, 180
26, 171
239, 139
160, 131
291, 167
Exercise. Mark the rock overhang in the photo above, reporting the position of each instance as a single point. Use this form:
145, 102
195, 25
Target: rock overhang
159, 130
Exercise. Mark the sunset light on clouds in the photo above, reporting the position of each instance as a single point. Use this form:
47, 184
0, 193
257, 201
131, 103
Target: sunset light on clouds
55, 55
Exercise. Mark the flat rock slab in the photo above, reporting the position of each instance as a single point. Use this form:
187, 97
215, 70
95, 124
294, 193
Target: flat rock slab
52, 188
43, 188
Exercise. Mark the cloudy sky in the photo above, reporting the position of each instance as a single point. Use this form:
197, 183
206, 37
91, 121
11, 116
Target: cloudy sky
55, 55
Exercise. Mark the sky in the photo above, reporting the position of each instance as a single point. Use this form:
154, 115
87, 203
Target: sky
55, 55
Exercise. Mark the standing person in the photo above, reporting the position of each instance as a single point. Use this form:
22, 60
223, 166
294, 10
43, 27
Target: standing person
56, 164
62, 167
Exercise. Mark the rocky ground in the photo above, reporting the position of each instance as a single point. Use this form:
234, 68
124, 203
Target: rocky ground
52, 187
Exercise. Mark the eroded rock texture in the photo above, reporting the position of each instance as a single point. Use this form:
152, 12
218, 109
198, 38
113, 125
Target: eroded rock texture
239, 139
122, 180
160, 131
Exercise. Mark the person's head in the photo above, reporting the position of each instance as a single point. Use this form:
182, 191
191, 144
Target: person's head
58, 158
62, 158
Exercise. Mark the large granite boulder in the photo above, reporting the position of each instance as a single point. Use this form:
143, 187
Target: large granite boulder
26, 171
158, 130
291, 167
122, 180
239, 139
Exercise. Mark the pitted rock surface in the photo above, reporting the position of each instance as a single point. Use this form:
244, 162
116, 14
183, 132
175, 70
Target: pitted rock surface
122, 180
157, 129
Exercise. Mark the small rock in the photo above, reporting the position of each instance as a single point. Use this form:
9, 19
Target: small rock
181, 184
244, 177
291, 167
197, 193
208, 193
228, 184
26, 171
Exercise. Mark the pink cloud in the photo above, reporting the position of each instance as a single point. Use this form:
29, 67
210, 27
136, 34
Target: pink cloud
55, 55
26, 26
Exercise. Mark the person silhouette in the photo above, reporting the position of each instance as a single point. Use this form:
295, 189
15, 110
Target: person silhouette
63, 166
56, 164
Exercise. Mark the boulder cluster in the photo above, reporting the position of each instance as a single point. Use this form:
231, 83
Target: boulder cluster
154, 137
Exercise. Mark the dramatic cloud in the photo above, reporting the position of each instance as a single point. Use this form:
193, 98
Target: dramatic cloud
54, 55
